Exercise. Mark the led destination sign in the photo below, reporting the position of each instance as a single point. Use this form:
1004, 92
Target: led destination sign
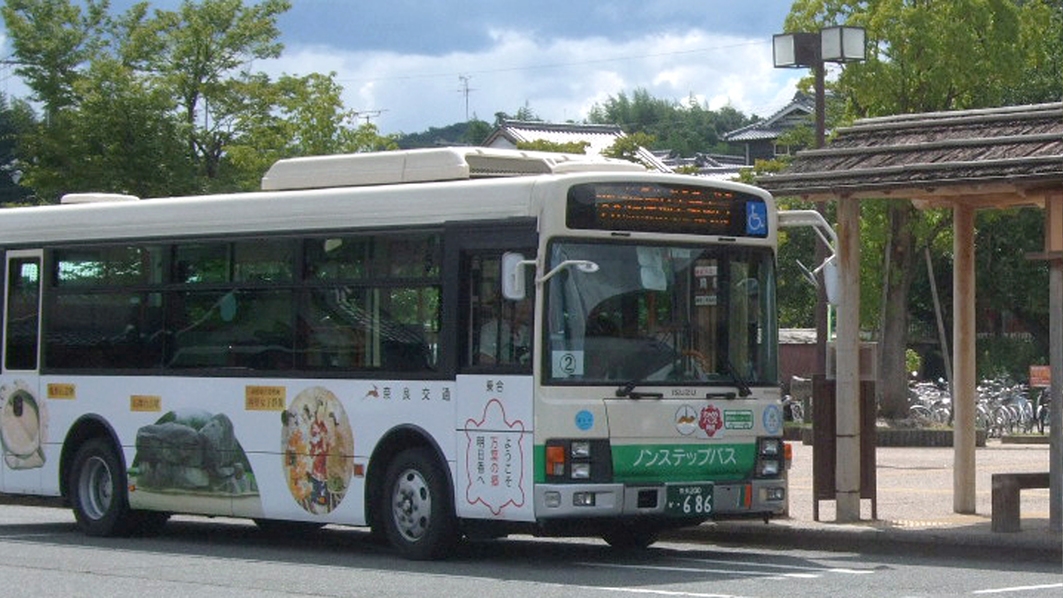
663, 208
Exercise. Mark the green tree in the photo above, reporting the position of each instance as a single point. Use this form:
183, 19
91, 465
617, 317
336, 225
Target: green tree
296, 116
1042, 78
476, 133
119, 131
167, 102
685, 128
929, 55
541, 145
207, 48
15, 119
1016, 286
52, 41
525, 114
628, 146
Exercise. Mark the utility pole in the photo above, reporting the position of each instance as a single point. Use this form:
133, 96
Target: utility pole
464, 89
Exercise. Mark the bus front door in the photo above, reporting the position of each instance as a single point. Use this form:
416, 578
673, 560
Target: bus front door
494, 389
23, 411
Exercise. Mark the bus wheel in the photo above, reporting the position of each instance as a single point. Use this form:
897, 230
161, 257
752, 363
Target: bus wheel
97, 490
418, 511
631, 537
147, 523
281, 528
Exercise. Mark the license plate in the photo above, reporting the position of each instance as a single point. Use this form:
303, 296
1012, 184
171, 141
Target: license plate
688, 500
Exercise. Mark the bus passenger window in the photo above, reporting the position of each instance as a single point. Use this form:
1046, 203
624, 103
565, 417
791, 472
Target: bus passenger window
23, 314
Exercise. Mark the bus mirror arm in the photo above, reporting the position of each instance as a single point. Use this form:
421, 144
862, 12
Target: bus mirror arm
810, 276
513, 264
581, 265
827, 236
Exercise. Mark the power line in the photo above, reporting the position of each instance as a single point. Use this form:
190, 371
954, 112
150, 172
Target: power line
557, 64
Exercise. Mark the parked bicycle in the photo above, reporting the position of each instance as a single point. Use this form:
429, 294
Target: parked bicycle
1002, 407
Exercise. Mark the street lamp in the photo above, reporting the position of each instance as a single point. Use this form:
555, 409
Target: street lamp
811, 50
841, 45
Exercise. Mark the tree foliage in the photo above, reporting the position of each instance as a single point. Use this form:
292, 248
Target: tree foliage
166, 102
685, 128
629, 146
203, 55
931, 55
52, 41
542, 145
15, 119
473, 132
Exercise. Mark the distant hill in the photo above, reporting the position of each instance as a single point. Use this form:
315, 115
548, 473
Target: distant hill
455, 134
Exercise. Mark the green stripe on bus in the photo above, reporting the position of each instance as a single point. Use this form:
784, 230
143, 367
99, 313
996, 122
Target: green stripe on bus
659, 463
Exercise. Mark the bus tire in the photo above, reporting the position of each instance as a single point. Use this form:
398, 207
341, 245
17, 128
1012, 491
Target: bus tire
97, 490
418, 511
631, 537
147, 523
283, 529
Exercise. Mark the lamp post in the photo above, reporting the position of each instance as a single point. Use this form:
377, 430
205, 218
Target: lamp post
838, 44
812, 50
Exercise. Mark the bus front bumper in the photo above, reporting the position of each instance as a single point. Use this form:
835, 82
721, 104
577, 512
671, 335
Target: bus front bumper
729, 500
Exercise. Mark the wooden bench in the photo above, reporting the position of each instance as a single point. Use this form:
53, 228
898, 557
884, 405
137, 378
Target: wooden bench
1006, 487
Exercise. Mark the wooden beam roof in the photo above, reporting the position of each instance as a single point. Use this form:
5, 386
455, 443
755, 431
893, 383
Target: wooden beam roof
996, 157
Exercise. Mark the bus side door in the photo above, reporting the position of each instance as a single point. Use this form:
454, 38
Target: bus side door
23, 412
495, 356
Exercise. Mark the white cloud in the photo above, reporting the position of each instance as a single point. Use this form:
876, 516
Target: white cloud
672, 56
559, 79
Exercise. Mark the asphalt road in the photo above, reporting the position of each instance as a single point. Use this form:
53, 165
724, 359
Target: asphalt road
43, 555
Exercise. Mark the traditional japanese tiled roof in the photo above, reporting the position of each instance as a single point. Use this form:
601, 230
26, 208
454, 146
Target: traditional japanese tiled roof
1004, 155
600, 137
786, 118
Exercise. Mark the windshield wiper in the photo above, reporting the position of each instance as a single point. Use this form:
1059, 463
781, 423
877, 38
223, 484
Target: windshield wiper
743, 387
628, 390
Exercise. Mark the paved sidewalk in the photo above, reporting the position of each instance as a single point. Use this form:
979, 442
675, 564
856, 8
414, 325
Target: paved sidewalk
915, 509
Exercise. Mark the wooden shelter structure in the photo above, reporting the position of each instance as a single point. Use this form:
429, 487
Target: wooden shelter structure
964, 161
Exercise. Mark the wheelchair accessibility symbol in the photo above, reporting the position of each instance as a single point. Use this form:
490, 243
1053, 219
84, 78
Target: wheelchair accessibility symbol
756, 219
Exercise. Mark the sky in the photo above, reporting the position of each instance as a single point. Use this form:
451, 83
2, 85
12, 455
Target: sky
408, 65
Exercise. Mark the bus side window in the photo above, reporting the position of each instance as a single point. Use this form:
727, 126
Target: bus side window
23, 314
500, 331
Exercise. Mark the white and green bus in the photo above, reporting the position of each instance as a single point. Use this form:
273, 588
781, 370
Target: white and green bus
432, 343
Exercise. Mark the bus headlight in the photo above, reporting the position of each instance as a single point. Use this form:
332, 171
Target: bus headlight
581, 449
769, 447
770, 457
581, 471
767, 469
583, 460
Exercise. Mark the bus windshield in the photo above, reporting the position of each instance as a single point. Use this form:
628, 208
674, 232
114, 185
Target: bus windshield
661, 314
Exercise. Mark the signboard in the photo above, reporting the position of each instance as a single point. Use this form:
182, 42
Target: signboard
666, 208
1040, 376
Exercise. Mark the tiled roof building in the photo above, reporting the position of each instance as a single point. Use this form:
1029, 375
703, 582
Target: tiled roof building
600, 137
760, 138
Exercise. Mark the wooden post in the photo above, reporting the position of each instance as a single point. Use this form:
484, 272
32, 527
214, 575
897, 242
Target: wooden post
847, 360
1054, 247
963, 347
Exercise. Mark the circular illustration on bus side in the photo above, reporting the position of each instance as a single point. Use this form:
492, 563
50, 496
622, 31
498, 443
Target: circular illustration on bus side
22, 426
318, 448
